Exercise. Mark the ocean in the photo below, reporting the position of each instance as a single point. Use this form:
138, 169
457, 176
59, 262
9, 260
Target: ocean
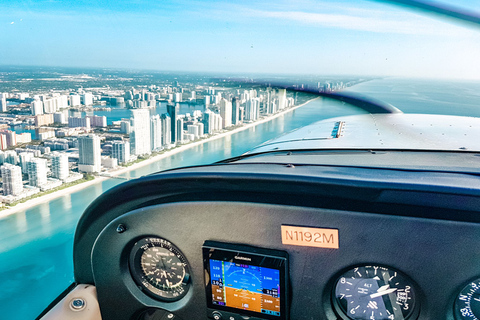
36, 244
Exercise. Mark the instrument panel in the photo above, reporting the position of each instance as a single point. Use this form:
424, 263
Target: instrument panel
231, 260
160, 269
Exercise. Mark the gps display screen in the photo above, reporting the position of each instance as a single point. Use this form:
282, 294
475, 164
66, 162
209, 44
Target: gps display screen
245, 287
245, 280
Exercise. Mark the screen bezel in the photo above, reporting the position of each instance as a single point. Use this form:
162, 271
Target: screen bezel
264, 258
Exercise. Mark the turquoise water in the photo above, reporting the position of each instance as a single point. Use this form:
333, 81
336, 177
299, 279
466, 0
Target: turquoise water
36, 244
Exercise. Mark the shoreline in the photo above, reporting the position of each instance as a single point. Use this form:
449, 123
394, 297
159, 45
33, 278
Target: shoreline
114, 173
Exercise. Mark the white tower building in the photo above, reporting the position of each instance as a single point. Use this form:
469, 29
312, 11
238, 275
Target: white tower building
155, 132
226, 112
60, 166
179, 139
140, 132
74, 100
37, 107
3, 102
282, 98
12, 179
89, 153
37, 172
252, 109
87, 99
166, 130
121, 151
25, 157
178, 97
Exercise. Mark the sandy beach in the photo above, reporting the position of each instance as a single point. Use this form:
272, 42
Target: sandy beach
112, 173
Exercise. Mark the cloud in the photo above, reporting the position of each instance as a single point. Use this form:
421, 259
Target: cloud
376, 21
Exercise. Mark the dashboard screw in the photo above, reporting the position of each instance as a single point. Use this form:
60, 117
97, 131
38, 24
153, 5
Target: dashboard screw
121, 228
77, 304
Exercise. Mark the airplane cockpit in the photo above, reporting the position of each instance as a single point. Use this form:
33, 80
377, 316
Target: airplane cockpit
365, 215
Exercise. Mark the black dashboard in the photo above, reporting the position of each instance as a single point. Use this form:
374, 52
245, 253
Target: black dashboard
256, 240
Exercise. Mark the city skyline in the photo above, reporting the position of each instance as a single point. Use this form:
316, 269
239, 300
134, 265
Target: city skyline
55, 138
288, 37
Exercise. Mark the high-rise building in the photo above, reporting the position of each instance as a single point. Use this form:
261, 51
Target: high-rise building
155, 132
37, 172
235, 109
140, 133
75, 122
60, 166
173, 113
129, 95
282, 98
50, 105
201, 129
12, 179
226, 112
166, 130
217, 98
125, 126
62, 102
3, 102
194, 130
25, 157
3, 141
25, 137
140, 104
97, 121
36, 107
178, 97
89, 153
57, 144
218, 122
11, 138
179, 138
268, 101
252, 109
59, 117
12, 157
212, 122
74, 100
208, 122
43, 120
194, 95
87, 99
121, 151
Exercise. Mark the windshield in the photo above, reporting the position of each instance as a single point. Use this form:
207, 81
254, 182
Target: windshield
93, 93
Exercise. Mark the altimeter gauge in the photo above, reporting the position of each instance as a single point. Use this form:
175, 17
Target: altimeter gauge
160, 269
374, 293
467, 303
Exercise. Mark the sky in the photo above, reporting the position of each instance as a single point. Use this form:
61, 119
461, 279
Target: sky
344, 37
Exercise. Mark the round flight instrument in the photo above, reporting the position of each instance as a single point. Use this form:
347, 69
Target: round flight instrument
467, 304
160, 269
374, 293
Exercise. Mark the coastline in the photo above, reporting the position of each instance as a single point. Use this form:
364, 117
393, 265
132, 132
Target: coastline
114, 173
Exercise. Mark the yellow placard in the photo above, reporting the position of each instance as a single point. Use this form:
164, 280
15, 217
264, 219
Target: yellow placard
310, 237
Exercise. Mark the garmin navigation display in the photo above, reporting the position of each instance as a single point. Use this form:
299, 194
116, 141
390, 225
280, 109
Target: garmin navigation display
245, 287
245, 280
